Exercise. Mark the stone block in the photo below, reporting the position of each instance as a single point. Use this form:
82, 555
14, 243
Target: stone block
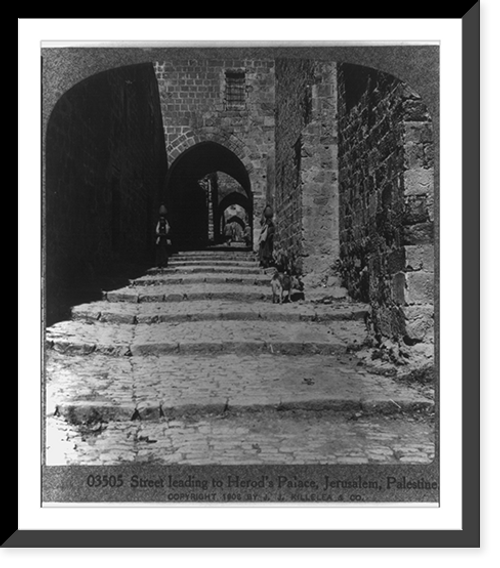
421, 233
418, 181
418, 132
419, 323
415, 110
414, 155
419, 257
419, 288
416, 210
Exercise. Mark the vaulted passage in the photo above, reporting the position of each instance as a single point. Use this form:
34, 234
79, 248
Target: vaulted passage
105, 164
235, 207
194, 205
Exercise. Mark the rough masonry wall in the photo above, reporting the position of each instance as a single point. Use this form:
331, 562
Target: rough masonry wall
294, 79
386, 202
306, 196
227, 185
319, 178
105, 162
195, 108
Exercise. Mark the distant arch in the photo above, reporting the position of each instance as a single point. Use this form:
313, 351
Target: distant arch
208, 135
234, 198
236, 219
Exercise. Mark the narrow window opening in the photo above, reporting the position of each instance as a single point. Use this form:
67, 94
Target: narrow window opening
235, 89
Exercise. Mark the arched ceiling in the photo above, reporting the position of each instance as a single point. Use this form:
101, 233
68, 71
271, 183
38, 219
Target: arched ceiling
205, 158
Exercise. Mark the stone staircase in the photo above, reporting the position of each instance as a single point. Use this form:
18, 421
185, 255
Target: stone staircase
181, 348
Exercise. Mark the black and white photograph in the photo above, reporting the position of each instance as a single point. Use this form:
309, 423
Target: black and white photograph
240, 273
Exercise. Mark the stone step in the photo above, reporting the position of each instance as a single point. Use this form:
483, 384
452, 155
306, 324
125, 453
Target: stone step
81, 388
214, 255
250, 261
208, 268
183, 292
154, 312
234, 245
178, 278
213, 337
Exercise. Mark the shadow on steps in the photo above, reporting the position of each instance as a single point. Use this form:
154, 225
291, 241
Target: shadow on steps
89, 289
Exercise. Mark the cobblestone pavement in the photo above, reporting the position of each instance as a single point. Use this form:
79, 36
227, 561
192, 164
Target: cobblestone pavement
206, 336
263, 438
210, 372
85, 386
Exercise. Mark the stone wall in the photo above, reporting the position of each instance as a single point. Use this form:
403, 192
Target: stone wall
306, 196
197, 107
386, 201
105, 163
294, 79
227, 185
319, 178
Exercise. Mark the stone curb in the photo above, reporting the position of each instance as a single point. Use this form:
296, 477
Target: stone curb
214, 256
202, 278
117, 318
69, 347
136, 297
84, 412
206, 265
209, 269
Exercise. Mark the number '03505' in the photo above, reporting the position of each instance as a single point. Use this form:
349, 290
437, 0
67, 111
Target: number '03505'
105, 480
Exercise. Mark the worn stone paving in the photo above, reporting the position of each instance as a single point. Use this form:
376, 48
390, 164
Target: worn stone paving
82, 387
154, 312
206, 267
205, 336
260, 438
213, 372
221, 277
191, 291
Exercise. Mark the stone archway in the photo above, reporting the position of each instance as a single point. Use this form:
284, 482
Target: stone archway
234, 198
104, 165
191, 192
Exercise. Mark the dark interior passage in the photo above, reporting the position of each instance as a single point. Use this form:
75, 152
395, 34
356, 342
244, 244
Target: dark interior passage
190, 222
105, 164
192, 195
235, 208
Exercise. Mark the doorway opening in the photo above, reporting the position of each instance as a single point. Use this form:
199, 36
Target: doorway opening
198, 189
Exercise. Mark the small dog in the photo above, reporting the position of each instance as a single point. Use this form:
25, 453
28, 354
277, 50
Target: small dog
282, 284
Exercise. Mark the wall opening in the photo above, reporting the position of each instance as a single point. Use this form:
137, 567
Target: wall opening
235, 93
235, 219
105, 162
193, 194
